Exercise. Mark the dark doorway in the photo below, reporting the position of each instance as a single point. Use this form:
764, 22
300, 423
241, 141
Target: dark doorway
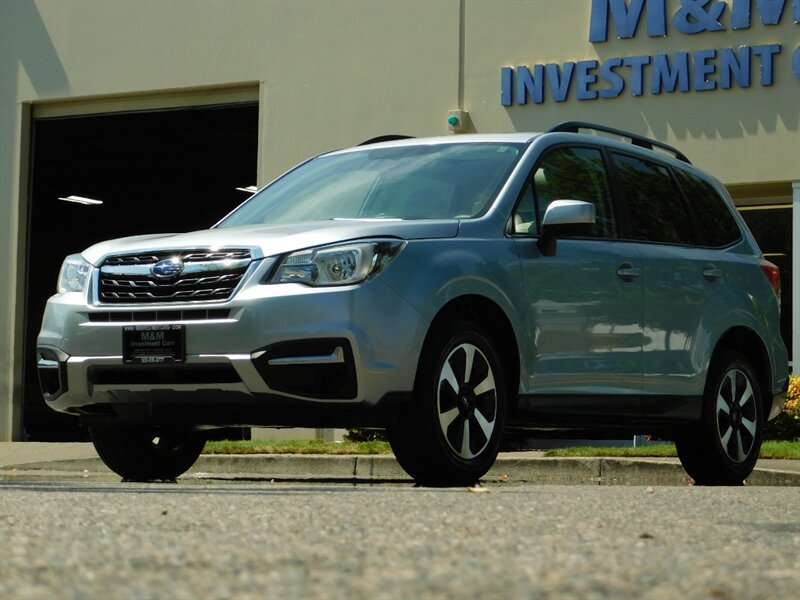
155, 172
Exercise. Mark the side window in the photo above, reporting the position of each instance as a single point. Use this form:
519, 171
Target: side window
657, 211
575, 174
525, 215
716, 221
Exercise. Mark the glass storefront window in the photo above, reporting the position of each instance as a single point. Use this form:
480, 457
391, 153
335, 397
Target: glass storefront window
772, 227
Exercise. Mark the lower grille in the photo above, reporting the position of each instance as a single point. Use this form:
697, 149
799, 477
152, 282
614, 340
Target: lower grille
146, 375
193, 275
158, 315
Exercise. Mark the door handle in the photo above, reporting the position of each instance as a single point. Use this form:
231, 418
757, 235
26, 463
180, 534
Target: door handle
712, 273
627, 272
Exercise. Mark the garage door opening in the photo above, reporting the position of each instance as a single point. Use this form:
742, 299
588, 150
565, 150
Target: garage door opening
153, 172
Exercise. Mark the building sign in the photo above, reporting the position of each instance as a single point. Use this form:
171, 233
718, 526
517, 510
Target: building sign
700, 70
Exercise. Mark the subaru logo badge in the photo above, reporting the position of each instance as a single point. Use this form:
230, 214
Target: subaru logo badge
165, 269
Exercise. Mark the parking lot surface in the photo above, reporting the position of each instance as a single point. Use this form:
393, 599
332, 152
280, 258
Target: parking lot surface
217, 540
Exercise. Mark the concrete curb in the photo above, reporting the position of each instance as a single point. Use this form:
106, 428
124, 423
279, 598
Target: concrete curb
385, 469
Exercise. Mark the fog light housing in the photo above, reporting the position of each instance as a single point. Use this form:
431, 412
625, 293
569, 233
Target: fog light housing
320, 369
52, 372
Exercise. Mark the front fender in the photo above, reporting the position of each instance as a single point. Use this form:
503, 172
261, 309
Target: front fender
445, 270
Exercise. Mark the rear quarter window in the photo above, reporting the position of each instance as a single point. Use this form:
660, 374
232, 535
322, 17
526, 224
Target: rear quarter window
716, 222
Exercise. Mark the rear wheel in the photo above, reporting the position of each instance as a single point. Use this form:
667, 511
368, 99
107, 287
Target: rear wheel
724, 448
452, 435
147, 453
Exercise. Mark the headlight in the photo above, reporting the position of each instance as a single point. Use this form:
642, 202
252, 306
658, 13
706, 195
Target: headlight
337, 265
74, 274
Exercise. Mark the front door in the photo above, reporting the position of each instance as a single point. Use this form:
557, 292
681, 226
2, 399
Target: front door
585, 312
585, 304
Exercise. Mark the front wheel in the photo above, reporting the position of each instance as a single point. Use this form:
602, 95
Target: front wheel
453, 432
724, 448
147, 453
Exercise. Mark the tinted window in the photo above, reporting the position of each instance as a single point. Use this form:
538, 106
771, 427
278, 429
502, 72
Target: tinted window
657, 211
573, 174
716, 222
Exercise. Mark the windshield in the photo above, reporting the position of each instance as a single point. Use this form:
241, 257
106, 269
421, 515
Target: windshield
443, 181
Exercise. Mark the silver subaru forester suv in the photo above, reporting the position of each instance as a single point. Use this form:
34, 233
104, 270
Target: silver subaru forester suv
447, 290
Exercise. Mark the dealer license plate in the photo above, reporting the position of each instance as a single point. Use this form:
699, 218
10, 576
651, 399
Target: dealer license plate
153, 344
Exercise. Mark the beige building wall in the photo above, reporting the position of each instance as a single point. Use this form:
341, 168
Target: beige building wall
329, 74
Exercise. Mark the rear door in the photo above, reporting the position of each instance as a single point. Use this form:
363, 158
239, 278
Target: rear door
683, 280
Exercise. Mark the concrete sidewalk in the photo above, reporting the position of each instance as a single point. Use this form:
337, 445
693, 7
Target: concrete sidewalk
40, 460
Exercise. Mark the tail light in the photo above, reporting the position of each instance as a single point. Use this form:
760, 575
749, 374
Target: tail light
773, 275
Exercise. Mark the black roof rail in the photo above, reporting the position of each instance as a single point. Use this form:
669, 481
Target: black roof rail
636, 140
385, 138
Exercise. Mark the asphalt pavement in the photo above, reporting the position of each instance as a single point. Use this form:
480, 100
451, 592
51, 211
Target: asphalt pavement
58, 461
212, 539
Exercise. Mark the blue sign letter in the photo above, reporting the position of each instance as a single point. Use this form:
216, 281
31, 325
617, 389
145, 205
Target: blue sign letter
530, 84
585, 79
637, 63
615, 79
695, 17
702, 70
626, 19
738, 67
767, 52
506, 81
770, 12
669, 78
796, 62
560, 80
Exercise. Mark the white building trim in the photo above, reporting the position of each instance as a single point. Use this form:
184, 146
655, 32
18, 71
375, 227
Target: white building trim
795, 358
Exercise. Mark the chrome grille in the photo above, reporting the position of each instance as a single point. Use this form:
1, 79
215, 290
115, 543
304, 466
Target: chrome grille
185, 255
206, 276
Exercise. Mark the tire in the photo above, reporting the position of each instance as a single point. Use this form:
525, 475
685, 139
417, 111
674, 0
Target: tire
147, 453
451, 437
724, 447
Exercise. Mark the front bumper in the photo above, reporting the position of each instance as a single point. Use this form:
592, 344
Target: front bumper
270, 348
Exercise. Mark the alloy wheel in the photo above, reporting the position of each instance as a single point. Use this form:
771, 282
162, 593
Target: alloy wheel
467, 401
736, 415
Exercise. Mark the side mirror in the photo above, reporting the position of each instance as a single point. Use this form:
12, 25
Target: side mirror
565, 217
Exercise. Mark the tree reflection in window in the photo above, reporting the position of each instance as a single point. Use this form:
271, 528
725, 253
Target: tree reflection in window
576, 174
657, 211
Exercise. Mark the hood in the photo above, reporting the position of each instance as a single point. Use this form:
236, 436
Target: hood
269, 240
